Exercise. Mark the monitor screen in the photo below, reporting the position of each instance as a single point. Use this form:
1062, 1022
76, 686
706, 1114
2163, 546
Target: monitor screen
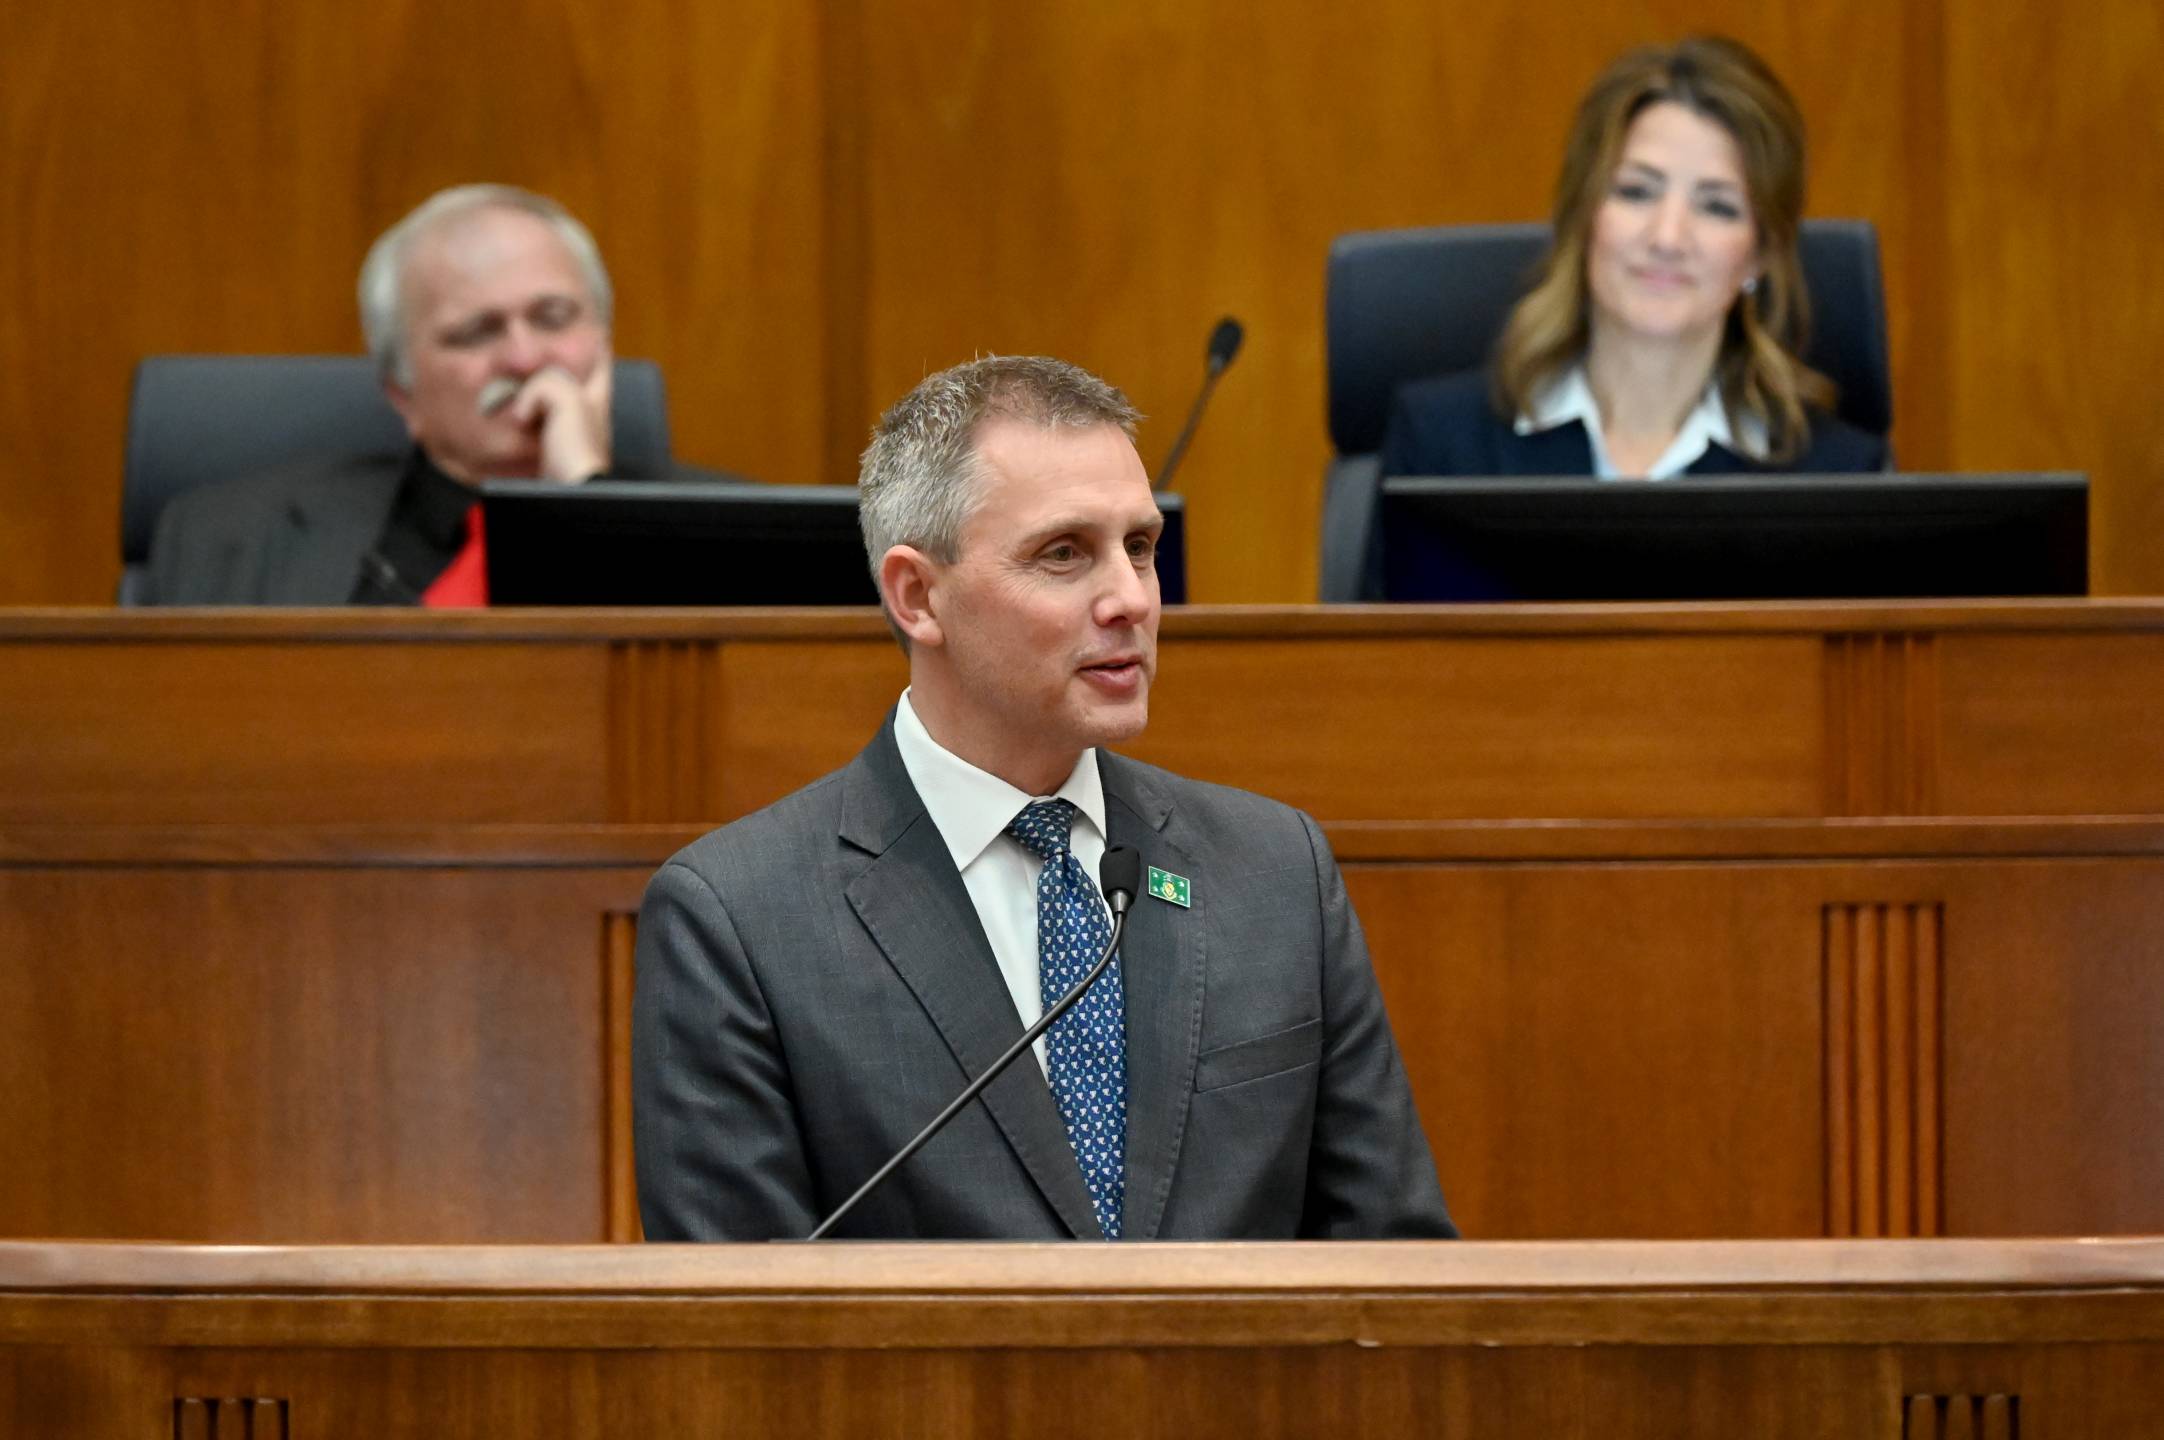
1734, 537
667, 542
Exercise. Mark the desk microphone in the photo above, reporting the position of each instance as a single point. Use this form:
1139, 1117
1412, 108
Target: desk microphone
1120, 873
1224, 344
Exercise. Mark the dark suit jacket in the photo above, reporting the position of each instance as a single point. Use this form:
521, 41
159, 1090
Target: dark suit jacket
298, 535
814, 985
1448, 426
294, 536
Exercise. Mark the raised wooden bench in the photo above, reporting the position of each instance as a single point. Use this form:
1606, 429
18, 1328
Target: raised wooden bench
1694, 921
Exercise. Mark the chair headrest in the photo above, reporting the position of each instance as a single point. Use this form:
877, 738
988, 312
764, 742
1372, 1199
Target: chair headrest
1406, 304
198, 419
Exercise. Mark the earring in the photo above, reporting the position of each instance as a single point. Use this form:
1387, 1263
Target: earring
1750, 286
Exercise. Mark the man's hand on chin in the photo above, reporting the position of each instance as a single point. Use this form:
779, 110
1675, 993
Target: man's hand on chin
572, 419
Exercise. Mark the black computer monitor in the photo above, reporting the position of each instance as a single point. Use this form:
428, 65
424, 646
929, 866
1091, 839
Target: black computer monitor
671, 542
1743, 537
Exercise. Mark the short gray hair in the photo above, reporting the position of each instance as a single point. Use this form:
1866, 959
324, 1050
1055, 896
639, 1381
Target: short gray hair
918, 482
383, 273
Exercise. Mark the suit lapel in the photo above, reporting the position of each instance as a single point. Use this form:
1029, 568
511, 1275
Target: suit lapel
912, 901
328, 529
1559, 450
1161, 968
1720, 460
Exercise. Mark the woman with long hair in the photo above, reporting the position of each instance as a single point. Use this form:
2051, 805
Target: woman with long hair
1663, 333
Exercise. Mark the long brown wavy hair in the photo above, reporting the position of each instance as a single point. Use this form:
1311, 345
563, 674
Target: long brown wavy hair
1759, 369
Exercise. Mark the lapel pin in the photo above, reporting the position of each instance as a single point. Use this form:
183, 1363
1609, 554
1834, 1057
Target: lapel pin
1167, 886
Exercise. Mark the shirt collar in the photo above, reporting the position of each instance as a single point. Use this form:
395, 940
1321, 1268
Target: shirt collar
436, 503
973, 807
1569, 397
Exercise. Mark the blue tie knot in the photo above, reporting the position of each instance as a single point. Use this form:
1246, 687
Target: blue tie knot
1045, 828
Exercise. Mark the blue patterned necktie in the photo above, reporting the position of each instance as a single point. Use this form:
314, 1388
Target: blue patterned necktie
1086, 1049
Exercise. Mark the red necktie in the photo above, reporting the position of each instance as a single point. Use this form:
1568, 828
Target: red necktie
464, 582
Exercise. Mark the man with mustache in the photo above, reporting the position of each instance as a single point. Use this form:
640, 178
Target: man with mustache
817, 980
487, 311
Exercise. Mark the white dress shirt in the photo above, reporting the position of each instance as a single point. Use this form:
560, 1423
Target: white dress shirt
1569, 397
972, 809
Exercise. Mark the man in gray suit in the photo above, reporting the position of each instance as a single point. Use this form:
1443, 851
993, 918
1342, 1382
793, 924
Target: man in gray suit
817, 980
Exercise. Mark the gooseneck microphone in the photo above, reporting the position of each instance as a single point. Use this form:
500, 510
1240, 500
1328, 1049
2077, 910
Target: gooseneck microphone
1120, 873
1224, 344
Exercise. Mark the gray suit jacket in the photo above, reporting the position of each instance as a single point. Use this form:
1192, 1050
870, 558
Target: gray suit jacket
297, 535
293, 536
814, 985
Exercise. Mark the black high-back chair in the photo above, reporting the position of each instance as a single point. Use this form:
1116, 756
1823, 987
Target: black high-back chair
1406, 304
198, 419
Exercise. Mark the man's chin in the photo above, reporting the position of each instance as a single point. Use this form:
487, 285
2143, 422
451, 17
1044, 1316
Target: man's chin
1116, 723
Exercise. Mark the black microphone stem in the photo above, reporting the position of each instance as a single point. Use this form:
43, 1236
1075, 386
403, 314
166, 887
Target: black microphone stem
1187, 431
976, 1086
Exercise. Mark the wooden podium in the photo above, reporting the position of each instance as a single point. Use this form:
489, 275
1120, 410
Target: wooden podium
1888, 1340
1693, 921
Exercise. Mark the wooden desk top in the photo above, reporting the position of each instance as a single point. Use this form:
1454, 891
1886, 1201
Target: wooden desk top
1760, 1292
1180, 621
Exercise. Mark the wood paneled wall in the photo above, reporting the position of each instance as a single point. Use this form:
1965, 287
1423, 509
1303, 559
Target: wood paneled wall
207, 176
1692, 921
809, 207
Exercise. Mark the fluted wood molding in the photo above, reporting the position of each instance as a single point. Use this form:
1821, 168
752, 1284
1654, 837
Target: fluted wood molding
660, 701
1882, 720
620, 1198
1961, 1417
252, 1418
1883, 966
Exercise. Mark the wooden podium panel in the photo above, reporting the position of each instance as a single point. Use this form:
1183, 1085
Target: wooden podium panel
1813, 1341
231, 1053
1564, 1027
1456, 726
1968, 1047
1833, 920
1506, 714
2051, 724
293, 730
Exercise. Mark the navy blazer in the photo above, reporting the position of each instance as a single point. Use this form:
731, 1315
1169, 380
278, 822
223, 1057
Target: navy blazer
1448, 426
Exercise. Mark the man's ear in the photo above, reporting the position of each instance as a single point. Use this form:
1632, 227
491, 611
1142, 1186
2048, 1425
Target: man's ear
906, 579
401, 401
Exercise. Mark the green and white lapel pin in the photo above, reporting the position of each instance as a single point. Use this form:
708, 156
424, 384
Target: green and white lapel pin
1169, 887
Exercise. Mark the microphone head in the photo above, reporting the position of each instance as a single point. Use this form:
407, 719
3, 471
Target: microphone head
1225, 343
1120, 874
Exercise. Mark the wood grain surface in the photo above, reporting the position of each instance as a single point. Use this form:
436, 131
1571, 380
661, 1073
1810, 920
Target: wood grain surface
320, 927
315, 1054
202, 177
808, 208
1824, 1341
